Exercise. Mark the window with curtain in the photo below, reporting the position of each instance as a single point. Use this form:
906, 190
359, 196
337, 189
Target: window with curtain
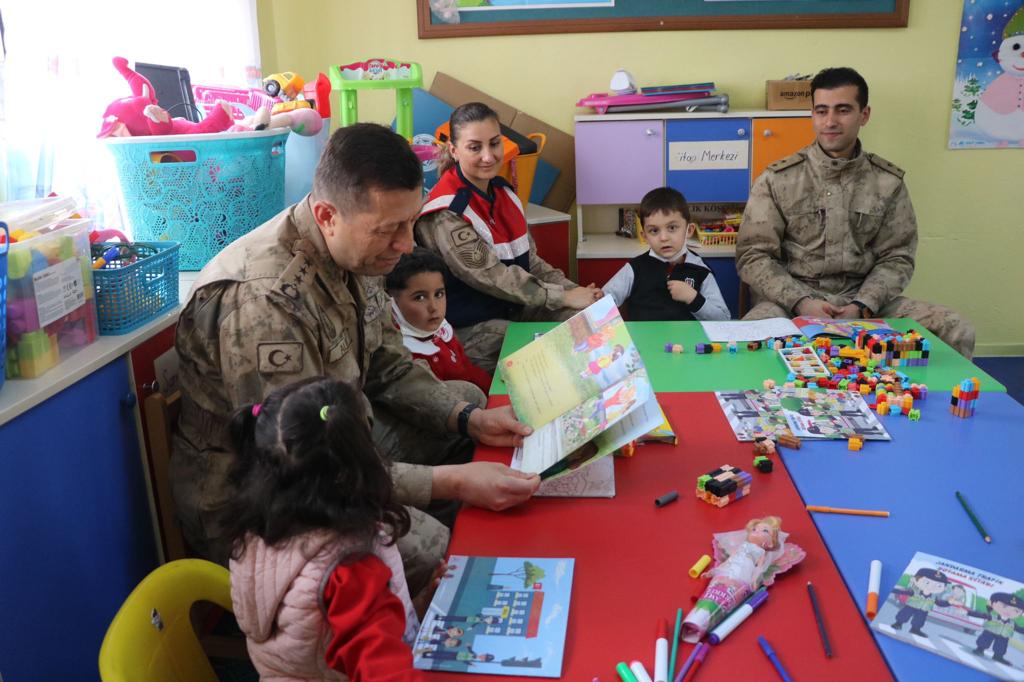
56, 79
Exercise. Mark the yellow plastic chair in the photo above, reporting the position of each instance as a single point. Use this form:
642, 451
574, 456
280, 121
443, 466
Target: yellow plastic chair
151, 637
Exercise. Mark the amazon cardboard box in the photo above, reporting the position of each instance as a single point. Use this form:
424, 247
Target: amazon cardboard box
787, 95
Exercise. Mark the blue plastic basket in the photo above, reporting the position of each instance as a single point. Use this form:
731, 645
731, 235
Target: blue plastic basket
3, 301
204, 191
130, 294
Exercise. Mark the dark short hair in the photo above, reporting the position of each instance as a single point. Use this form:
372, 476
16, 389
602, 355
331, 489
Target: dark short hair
298, 468
663, 200
837, 77
412, 264
361, 158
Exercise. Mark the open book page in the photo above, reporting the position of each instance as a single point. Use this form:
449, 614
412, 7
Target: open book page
571, 439
573, 362
749, 330
964, 613
807, 413
847, 329
596, 480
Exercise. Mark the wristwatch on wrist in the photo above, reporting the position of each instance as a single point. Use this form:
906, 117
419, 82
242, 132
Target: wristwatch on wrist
865, 312
462, 421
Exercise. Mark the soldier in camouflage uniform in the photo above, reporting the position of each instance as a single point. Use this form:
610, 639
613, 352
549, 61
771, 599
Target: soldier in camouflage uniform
830, 231
302, 296
475, 222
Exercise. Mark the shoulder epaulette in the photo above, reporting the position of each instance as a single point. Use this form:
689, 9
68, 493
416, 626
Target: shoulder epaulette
886, 166
460, 202
788, 162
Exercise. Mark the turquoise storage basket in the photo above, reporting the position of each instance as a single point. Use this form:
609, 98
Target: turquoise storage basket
3, 300
203, 191
130, 294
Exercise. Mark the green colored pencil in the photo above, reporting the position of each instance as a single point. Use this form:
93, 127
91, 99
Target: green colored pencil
974, 519
675, 645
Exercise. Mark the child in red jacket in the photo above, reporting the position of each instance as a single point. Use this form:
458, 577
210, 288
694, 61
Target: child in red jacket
419, 305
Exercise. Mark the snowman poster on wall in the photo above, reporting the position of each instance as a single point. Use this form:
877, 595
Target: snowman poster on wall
988, 94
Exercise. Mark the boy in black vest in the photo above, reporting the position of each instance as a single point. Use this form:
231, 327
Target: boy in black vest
669, 282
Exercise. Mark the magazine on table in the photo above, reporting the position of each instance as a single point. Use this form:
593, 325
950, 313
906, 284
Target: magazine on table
843, 329
497, 616
805, 412
964, 613
583, 388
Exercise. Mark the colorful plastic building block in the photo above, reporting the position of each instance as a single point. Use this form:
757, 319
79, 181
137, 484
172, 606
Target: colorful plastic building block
732, 346
769, 384
723, 485
753, 345
855, 443
787, 440
673, 348
763, 464
914, 415
964, 397
763, 445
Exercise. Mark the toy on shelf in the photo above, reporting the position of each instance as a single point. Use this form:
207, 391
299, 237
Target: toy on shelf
298, 94
720, 233
723, 485
745, 561
965, 395
141, 114
377, 74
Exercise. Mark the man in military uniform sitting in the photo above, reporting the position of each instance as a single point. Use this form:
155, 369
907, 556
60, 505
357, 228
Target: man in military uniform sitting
302, 295
830, 231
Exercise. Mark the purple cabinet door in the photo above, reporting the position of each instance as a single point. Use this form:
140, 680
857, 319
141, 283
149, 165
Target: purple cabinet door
617, 162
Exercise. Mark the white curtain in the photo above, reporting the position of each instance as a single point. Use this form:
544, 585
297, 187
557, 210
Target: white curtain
57, 79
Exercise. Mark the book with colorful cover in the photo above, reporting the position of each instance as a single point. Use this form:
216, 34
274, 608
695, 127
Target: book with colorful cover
807, 413
844, 329
966, 614
584, 390
497, 616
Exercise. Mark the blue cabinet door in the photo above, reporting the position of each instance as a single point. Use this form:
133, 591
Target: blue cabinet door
728, 281
708, 160
75, 529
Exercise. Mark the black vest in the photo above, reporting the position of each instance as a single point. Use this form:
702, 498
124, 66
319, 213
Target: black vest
650, 299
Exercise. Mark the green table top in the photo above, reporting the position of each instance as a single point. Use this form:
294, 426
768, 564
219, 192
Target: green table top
744, 369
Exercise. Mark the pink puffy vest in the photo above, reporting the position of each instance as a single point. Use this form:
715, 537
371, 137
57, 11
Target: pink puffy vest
277, 595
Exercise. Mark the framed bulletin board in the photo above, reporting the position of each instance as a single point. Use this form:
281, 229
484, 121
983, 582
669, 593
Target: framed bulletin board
519, 17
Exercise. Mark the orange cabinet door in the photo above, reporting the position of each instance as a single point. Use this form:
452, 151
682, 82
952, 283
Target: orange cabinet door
777, 138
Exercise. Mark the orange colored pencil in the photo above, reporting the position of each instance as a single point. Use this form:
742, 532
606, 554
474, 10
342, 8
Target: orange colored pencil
840, 510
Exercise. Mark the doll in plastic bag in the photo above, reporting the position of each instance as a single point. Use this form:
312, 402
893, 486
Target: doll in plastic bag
744, 561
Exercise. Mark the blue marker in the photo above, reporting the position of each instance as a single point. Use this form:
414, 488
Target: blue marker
773, 657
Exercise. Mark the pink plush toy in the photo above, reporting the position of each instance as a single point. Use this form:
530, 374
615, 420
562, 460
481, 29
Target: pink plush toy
141, 115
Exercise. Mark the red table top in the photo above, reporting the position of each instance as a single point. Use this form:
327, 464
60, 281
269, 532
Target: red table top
632, 560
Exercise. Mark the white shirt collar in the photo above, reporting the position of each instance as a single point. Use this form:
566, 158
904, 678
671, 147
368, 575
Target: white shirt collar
417, 340
690, 257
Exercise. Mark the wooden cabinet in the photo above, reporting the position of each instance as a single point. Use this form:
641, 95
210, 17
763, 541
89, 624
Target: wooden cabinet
711, 158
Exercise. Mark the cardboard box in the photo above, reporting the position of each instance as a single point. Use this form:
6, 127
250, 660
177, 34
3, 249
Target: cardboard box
787, 95
560, 150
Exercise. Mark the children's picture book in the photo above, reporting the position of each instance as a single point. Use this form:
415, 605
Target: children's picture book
958, 611
596, 480
584, 390
497, 616
749, 330
844, 329
805, 412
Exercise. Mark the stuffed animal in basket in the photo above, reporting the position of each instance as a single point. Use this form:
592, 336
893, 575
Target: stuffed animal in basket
141, 114
305, 122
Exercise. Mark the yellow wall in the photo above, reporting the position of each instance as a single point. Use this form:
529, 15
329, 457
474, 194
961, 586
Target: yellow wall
968, 202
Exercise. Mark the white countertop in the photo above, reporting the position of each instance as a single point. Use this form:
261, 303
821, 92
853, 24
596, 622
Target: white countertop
614, 246
663, 115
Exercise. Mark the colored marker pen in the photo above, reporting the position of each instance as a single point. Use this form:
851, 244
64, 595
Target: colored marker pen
874, 580
774, 658
736, 617
639, 672
661, 652
624, 672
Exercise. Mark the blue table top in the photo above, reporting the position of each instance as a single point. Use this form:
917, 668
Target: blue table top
915, 477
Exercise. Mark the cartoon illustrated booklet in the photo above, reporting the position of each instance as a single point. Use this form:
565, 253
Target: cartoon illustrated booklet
958, 611
807, 413
845, 329
583, 388
497, 616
